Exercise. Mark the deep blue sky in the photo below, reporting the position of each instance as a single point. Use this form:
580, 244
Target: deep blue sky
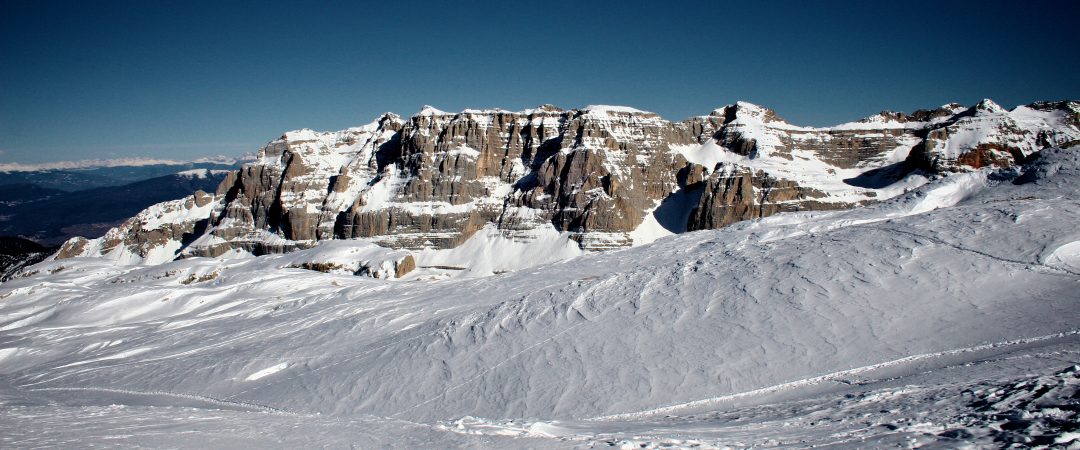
90, 79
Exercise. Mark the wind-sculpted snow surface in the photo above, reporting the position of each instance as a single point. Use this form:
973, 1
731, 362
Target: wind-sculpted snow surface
824, 315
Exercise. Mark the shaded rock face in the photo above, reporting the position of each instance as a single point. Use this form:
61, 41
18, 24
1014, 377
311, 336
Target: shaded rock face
450, 176
740, 193
17, 253
600, 175
298, 182
433, 180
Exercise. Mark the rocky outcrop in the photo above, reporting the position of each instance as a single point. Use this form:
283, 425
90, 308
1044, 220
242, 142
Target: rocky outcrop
596, 174
353, 258
298, 182
988, 135
609, 168
435, 179
155, 235
736, 193
404, 265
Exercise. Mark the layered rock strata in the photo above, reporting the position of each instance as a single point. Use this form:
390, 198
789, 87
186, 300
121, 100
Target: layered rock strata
596, 173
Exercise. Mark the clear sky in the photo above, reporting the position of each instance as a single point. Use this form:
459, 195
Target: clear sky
101, 79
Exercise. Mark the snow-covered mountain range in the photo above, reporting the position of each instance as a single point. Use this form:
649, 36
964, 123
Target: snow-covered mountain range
906, 280
947, 315
595, 178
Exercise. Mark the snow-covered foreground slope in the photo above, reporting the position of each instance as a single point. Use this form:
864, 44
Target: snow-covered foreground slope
949, 313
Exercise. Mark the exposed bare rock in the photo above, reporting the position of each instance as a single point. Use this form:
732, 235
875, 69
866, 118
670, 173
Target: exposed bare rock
736, 193
988, 135
609, 168
155, 235
347, 257
297, 187
404, 265
596, 174
74, 247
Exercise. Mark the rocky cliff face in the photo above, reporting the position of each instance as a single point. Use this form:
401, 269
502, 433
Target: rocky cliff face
156, 234
735, 193
988, 135
596, 174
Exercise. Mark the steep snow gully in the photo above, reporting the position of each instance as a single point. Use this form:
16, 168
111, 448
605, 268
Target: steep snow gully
947, 315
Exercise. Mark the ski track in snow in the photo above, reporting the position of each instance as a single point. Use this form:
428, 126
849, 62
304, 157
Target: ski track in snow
1025, 264
834, 376
188, 396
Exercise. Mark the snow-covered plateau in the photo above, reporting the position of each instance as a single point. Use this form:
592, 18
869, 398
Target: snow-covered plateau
946, 316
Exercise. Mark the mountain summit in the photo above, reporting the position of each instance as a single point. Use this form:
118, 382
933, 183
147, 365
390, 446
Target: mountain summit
599, 177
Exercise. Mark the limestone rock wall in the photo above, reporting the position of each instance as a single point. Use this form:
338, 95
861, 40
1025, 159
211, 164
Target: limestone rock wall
597, 173
740, 193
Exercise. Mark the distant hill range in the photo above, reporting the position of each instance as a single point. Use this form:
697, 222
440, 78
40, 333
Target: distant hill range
49, 206
16, 253
82, 175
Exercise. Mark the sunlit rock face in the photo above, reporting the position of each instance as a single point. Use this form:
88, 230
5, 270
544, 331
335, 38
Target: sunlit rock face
597, 173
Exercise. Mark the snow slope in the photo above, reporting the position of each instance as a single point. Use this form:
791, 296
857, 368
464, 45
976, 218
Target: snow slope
943, 315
